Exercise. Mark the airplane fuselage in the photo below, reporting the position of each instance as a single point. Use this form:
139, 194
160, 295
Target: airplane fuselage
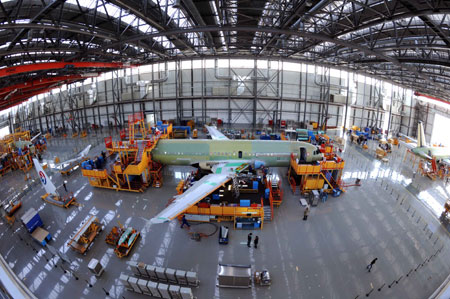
272, 153
430, 152
427, 152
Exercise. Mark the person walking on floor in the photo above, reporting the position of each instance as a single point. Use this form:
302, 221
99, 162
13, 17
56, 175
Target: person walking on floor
64, 185
369, 266
184, 221
249, 239
306, 213
255, 243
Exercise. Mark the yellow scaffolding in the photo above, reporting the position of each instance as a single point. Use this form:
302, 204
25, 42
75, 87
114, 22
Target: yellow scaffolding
308, 177
135, 160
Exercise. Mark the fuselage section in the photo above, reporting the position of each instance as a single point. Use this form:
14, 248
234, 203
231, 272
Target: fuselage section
272, 153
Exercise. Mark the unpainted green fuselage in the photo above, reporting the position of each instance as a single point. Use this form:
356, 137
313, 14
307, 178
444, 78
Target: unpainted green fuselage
272, 153
430, 152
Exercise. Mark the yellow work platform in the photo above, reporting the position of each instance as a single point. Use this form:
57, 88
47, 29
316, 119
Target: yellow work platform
135, 162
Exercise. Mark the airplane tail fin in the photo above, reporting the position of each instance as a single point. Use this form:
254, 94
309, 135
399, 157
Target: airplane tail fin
420, 135
45, 180
84, 152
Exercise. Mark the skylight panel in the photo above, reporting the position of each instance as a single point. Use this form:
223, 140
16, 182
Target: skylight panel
129, 19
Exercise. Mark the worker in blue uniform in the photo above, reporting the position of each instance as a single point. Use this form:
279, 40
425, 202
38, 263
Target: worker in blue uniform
184, 221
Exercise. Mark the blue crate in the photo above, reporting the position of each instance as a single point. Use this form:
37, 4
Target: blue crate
34, 222
255, 185
244, 203
184, 128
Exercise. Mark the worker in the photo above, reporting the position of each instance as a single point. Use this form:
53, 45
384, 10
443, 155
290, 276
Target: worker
104, 156
249, 239
184, 221
255, 243
306, 213
64, 185
369, 266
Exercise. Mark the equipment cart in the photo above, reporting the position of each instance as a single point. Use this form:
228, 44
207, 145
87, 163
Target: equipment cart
41, 236
84, 237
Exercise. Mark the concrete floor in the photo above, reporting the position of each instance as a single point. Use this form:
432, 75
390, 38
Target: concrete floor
392, 216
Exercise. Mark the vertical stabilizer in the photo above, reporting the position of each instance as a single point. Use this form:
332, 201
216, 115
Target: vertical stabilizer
45, 180
420, 135
84, 152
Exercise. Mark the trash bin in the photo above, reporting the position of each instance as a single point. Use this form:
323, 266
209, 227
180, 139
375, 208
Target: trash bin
95, 267
314, 198
223, 234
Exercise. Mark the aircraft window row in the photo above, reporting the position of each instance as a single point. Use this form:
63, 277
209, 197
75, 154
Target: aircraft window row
234, 154
180, 153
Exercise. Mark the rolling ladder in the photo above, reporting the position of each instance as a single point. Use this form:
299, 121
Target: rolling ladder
138, 157
329, 179
267, 213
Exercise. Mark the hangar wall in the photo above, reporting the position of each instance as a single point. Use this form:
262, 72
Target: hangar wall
241, 92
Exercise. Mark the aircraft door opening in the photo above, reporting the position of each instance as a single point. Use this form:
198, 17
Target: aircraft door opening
240, 154
302, 158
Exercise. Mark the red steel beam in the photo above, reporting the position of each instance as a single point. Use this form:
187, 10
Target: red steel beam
418, 94
38, 82
58, 65
20, 98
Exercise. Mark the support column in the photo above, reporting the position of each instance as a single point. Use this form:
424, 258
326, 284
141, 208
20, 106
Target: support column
255, 91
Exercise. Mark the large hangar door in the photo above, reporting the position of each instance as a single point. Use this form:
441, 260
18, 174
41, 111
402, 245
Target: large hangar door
441, 133
4, 131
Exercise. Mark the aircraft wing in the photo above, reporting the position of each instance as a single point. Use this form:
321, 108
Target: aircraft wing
232, 167
407, 137
78, 158
84, 152
409, 145
194, 194
32, 139
216, 134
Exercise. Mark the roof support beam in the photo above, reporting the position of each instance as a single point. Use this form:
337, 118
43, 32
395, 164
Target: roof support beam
192, 9
46, 10
304, 34
436, 29
149, 20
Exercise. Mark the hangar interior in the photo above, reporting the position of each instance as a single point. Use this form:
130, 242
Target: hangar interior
145, 146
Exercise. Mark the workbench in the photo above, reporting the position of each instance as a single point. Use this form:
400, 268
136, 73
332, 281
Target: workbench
85, 235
